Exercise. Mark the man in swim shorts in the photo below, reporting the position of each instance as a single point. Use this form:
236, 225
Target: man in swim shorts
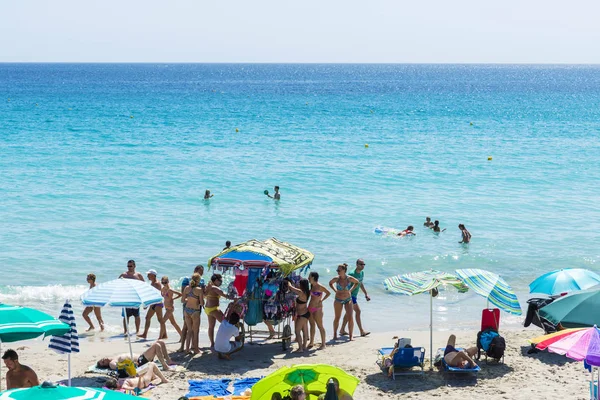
155, 308
131, 312
359, 274
18, 375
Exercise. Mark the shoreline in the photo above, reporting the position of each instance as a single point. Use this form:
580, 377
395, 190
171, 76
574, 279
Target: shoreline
536, 376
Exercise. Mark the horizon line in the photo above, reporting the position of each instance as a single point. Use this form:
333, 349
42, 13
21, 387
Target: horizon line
303, 63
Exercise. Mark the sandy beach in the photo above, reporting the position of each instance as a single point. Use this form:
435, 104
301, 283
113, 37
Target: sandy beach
537, 376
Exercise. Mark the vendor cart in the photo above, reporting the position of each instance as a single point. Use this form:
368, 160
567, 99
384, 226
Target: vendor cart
261, 271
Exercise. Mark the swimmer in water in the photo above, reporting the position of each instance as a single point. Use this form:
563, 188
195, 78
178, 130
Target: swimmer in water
436, 227
428, 222
276, 195
207, 195
408, 231
466, 235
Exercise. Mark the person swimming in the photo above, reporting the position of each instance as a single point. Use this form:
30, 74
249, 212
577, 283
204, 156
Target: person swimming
207, 195
466, 235
407, 232
276, 195
436, 227
428, 222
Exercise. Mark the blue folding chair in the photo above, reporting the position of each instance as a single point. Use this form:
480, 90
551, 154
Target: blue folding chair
403, 361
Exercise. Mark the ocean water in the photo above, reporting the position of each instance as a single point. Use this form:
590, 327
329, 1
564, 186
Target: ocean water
101, 163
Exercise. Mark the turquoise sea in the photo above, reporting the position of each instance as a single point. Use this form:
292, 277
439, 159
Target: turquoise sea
101, 163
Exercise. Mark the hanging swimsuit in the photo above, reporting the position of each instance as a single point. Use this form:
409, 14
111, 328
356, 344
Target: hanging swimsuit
306, 314
346, 288
209, 310
315, 309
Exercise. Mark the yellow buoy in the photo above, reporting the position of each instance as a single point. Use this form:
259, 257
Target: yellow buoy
366, 146
237, 130
131, 116
489, 158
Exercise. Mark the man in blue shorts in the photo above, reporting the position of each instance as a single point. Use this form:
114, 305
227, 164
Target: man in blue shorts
359, 274
131, 312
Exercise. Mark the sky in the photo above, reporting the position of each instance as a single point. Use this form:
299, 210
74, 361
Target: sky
307, 31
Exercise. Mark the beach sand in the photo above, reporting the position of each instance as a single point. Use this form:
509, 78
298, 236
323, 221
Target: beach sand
537, 376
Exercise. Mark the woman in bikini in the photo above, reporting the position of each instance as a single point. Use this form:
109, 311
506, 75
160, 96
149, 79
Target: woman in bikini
315, 306
192, 306
302, 313
91, 279
213, 293
344, 285
169, 295
152, 375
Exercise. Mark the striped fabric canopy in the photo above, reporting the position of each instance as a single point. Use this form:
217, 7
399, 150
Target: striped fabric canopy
492, 287
421, 282
22, 323
69, 342
122, 293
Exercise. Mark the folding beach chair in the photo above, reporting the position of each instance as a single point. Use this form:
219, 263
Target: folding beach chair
490, 318
403, 361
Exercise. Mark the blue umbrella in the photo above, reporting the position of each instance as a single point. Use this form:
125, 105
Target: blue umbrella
564, 281
69, 342
122, 293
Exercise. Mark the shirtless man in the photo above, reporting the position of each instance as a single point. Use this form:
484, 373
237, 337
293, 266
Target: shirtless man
158, 350
131, 312
18, 375
428, 223
155, 308
276, 195
466, 235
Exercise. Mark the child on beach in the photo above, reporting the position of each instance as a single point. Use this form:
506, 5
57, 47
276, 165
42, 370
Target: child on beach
169, 295
91, 279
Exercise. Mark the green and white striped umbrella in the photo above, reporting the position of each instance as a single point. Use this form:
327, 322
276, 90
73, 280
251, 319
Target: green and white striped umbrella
492, 287
422, 282
44, 392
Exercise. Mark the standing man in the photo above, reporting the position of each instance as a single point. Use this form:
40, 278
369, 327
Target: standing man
359, 274
131, 312
199, 269
276, 195
155, 308
18, 375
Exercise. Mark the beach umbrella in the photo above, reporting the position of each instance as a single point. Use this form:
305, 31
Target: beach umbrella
580, 309
564, 281
492, 287
542, 342
69, 342
122, 293
22, 323
313, 377
55, 392
424, 282
574, 345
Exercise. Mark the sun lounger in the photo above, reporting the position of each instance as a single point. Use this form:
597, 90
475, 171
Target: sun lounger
403, 361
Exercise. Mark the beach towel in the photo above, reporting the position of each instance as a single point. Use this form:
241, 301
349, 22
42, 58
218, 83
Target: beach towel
209, 387
138, 392
240, 385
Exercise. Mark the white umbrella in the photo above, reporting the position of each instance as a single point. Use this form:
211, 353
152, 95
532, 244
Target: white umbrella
122, 293
69, 342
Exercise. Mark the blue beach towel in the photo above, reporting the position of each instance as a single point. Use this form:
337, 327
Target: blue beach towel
242, 384
209, 387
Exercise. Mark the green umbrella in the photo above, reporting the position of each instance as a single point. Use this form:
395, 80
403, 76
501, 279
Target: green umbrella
581, 309
22, 323
301, 376
423, 282
52, 392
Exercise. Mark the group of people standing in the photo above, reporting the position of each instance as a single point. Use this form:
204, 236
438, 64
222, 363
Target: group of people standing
309, 305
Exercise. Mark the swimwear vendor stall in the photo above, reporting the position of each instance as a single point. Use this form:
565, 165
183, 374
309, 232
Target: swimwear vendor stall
261, 270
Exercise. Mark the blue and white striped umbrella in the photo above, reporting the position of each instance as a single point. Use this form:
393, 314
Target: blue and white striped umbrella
492, 287
69, 342
123, 293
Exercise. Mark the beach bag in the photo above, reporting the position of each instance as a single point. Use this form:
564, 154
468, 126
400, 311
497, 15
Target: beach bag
484, 339
497, 348
126, 368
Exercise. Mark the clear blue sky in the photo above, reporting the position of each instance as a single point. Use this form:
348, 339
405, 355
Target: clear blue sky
394, 31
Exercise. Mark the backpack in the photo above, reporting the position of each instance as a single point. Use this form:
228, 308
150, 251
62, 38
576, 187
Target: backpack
497, 347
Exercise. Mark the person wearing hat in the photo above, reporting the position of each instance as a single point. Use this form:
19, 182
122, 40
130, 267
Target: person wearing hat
18, 375
155, 308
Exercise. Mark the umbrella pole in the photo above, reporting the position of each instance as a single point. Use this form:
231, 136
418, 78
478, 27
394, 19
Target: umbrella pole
431, 331
69, 368
128, 335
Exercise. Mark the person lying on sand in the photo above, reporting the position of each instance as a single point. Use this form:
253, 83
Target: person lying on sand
151, 375
459, 359
157, 349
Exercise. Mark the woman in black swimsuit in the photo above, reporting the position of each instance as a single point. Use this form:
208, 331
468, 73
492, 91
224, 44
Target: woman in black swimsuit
302, 313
